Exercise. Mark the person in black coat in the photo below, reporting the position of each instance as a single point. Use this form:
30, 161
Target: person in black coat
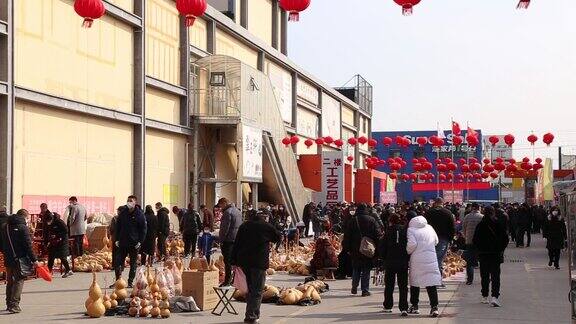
442, 220
555, 235
149, 245
3, 220
360, 225
524, 223
56, 241
16, 243
251, 252
490, 241
130, 232
191, 226
393, 252
163, 216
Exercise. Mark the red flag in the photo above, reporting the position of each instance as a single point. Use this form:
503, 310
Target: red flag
456, 128
472, 132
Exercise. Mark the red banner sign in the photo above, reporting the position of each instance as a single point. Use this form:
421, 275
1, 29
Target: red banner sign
59, 203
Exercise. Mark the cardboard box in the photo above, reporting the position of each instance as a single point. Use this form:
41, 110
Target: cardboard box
200, 286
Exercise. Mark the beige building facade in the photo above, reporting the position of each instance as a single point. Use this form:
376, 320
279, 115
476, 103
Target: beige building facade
132, 106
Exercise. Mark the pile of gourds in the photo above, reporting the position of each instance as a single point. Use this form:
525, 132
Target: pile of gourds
175, 246
296, 260
150, 300
453, 263
304, 294
95, 262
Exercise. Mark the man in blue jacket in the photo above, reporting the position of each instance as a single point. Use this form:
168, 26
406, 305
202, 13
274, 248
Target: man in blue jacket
130, 232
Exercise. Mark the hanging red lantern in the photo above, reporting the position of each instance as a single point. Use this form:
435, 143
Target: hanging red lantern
387, 141
523, 4
526, 166
537, 166
422, 141
472, 140
294, 7
494, 140
399, 140
511, 168
494, 175
509, 140
442, 177
339, 143
398, 159
526, 159
372, 142
191, 9
485, 175
90, 10
548, 138
465, 168
438, 161
352, 141
441, 167
362, 140
413, 176
422, 160
447, 160
328, 140
462, 161
512, 161
433, 140
350, 158
414, 161
500, 166
407, 6
439, 142
395, 166
319, 141
477, 176
427, 166
488, 168
308, 143
452, 166
449, 176
405, 177
532, 139
460, 177
393, 176
499, 160
405, 142
538, 160
417, 167
294, 140
286, 141
457, 140
475, 166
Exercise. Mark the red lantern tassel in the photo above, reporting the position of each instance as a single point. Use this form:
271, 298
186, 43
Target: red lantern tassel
294, 16
190, 20
407, 10
87, 22
523, 4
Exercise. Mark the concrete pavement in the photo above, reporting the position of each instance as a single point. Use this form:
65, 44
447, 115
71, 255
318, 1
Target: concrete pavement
531, 293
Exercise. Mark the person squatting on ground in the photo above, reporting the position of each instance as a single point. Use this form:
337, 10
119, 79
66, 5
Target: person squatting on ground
424, 270
490, 240
554, 230
130, 231
251, 252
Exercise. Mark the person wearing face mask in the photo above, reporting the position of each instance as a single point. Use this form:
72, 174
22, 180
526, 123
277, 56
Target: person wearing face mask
76, 224
130, 231
56, 240
555, 235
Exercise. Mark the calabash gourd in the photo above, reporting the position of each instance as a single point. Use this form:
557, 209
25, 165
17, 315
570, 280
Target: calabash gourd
96, 309
165, 313
132, 311
95, 292
144, 312
155, 312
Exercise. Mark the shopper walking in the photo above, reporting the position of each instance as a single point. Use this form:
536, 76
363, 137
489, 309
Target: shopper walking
17, 249
57, 243
490, 240
469, 227
130, 233
307, 217
163, 229
424, 270
3, 220
251, 252
361, 225
77, 224
555, 235
190, 228
229, 224
393, 252
207, 217
442, 221
524, 223
148, 249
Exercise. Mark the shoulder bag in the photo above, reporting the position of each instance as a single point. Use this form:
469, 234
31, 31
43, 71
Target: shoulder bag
24, 266
367, 246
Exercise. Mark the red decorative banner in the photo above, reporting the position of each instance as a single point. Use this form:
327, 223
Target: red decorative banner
448, 186
58, 204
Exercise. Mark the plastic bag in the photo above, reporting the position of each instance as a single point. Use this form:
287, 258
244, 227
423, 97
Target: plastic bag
140, 283
169, 281
85, 243
177, 279
44, 273
240, 280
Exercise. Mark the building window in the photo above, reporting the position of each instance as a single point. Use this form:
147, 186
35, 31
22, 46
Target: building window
217, 79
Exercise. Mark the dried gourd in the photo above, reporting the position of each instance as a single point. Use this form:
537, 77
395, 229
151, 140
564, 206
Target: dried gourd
155, 312
144, 312
87, 302
96, 309
95, 292
132, 311
165, 313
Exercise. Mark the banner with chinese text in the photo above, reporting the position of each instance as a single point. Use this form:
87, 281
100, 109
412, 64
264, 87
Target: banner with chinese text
332, 177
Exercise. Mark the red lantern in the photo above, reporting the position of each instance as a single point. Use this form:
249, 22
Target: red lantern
526, 159
393, 176
308, 143
286, 141
350, 158
387, 141
494, 140
422, 141
447, 160
477, 176
395, 166
523, 4
352, 141
512, 161
462, 161
548, 138
90, 10
294, 7
488, 168
405, 142
509, 139
538, 160
472, 140
475, 166
328, 140
294, 140
319, 141
465, 168
526, 166
414, 177
433, 140
427, 166
457, 140
440, 142
442, 177
532, 139
494, 175
362, 140
438, 161
486, 175
339, 142
511, 168
399, 140
372, 142
499, 167
499, 160
486, 161
537, 166
405, 177
422, 160
441, 167
414, 161
407, 6
452, 166
449, 176
191, 9
417, 167
398, 159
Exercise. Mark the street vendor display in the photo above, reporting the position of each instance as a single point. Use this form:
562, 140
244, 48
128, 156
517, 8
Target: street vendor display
453, 263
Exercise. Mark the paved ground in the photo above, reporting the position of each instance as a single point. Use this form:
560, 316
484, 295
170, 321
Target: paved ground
531, 293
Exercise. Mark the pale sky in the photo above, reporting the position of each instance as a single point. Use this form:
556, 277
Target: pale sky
484, 62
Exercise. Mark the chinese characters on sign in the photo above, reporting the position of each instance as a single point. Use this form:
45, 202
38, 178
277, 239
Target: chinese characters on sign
252, 153
332, 177
456, 196
58, 204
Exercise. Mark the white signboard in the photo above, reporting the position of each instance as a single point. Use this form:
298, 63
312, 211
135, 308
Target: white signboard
282, 85
307, 92
252, 153
307, 124
330, 116
456, 196
388, 197
332, 177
